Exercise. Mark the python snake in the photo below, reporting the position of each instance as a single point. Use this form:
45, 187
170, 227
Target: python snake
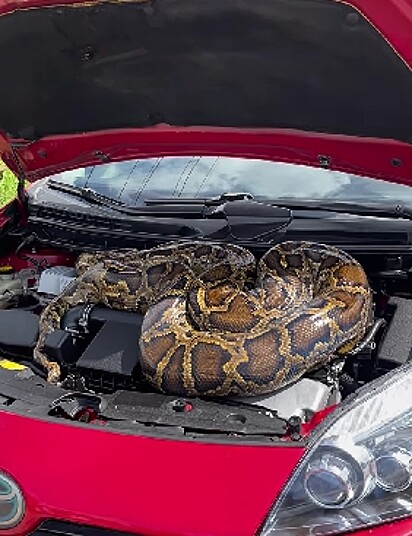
217, 323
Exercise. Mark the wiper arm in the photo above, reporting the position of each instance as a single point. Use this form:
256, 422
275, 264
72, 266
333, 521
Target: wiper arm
205, 201
88, 194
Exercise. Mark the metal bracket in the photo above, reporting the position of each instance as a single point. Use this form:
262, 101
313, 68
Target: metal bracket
85, 317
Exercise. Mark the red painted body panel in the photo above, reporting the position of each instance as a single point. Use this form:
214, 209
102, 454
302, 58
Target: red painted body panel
44, 257
139, 484
393, 19
389, 160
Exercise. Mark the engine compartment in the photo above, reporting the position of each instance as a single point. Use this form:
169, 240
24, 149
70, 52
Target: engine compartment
97, 346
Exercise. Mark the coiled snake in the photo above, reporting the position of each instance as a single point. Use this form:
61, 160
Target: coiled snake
216, 322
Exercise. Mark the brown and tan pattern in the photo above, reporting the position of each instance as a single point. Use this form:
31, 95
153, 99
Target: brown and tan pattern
216, 324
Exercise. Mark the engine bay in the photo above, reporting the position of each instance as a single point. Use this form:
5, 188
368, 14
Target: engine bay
98, 350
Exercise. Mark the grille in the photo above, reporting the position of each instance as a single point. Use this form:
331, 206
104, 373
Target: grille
61, 528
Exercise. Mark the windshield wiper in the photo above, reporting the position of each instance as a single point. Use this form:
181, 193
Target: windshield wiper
92, 196
101, 200
88, 194
348, 207
206, 201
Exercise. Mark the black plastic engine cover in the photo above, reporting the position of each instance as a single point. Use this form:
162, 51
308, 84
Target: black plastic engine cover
62, 347
115, 348
396, 347
106, 343
19, 331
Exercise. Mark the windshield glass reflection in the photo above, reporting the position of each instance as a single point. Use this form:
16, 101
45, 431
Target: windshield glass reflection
134, 181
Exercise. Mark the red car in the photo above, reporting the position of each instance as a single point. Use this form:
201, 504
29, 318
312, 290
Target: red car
240, 123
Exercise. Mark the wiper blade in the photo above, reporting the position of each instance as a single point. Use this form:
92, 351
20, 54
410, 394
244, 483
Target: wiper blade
101, 200
349, 207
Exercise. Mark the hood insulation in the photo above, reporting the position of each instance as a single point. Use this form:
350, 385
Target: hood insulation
313, 65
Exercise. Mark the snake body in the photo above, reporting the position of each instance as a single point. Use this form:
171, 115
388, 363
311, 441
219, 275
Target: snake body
217, 323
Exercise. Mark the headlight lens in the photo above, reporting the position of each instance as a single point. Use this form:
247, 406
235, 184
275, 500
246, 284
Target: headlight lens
11, 503
339, 475
358, 468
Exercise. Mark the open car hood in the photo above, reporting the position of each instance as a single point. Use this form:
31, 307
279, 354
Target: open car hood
315, 81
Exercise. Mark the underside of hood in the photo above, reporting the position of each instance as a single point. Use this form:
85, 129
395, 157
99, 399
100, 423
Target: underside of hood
310, 65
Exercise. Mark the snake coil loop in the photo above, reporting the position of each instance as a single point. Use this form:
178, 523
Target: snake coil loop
219, 324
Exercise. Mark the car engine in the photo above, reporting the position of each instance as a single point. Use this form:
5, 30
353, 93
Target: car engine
98, 345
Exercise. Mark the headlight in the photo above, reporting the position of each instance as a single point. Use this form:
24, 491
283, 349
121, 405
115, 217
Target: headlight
11, 503
357, 470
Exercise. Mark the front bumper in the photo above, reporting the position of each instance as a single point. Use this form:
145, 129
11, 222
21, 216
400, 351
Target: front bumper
141, 485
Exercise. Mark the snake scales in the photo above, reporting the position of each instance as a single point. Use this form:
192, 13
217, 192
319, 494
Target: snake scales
216, 322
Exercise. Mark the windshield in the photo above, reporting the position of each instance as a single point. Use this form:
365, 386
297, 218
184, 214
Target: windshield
134, 181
